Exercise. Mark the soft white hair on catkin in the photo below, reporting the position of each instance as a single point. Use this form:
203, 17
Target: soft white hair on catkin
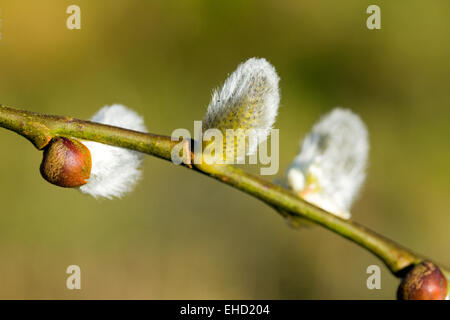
248, 100
115, 171
335, 154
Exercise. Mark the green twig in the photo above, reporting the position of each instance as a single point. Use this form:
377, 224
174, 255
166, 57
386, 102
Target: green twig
40, 129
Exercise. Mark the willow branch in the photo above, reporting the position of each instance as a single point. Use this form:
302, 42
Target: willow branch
40, 129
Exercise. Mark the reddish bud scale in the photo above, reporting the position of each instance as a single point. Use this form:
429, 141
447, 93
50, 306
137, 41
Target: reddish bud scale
424, 282
66, 163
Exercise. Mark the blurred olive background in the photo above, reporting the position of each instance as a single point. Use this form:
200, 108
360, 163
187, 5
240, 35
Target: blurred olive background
181, 235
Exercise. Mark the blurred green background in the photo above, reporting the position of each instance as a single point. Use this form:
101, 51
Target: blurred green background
181, 235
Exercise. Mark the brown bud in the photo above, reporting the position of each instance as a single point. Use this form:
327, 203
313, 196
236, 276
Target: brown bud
423, 282
66, 163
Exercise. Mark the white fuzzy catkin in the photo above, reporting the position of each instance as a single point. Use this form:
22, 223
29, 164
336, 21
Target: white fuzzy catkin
331, 165
248, 100
115, 171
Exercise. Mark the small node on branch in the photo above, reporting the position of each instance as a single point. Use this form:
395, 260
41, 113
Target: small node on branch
424, 282
66, 163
